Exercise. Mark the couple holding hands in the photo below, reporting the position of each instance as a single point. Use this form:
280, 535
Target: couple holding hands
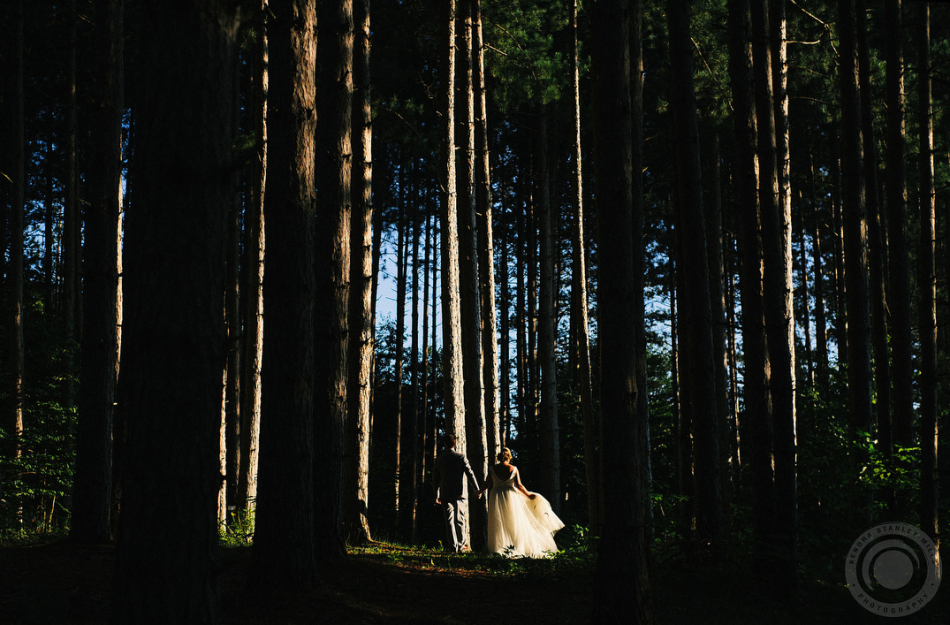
520, 523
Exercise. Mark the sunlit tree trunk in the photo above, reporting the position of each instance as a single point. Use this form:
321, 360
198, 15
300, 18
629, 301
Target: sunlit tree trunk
93, 481
451, 313
362, 339
928, 284
486, 247
777, 292
253, 287
472, 349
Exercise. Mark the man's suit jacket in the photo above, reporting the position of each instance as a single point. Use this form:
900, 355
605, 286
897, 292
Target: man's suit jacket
450, 470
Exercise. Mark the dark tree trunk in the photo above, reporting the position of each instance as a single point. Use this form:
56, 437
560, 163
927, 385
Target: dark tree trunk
717, 305
855, 239
898, 254
691, 228
579, 300
821, 327
876, 249
174, 334
93, 481
283, 538
549, 459
756, 375
14, 420
622, 580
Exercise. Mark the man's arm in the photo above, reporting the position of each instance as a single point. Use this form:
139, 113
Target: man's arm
470, 473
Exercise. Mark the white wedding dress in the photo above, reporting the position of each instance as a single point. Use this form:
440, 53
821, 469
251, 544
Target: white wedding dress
518, 526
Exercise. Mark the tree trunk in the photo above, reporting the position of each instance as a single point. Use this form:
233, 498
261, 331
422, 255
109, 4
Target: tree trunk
717, 304
876, 239
853, 198
472, 354
93, 481
579, 299
486, 248
451, 313
777, 292
14, 422
283, 538
928, 289
756, 374
254, 284
411, 463
174, 333
622, 581
821, 328
898, 254
362, 339
549, 460
400, 342
72, 222
691, 227
334, 150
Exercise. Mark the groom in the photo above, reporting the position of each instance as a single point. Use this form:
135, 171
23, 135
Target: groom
449, 473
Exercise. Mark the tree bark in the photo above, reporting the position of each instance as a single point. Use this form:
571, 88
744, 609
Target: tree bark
486, 247
876, 239
451, 314
691, 226
855, 224
472, 353
777, 292
622, 580
283, 538
579, 299
549, 460
334, 166
929, 492
14, 421
93, 481
898, 253
362, 339
254, 283
756, 375
174, 333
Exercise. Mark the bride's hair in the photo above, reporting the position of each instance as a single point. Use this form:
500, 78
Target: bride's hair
504, 454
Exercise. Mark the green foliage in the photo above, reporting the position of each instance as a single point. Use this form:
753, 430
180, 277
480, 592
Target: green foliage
238, 530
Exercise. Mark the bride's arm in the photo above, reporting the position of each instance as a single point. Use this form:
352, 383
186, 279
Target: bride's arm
520, 487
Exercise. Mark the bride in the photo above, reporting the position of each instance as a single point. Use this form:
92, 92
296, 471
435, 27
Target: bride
520, 523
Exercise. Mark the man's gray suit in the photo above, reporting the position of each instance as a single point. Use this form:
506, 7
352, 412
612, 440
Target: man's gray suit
450, 471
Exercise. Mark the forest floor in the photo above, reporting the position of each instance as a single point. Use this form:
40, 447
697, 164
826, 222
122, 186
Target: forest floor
61, 584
